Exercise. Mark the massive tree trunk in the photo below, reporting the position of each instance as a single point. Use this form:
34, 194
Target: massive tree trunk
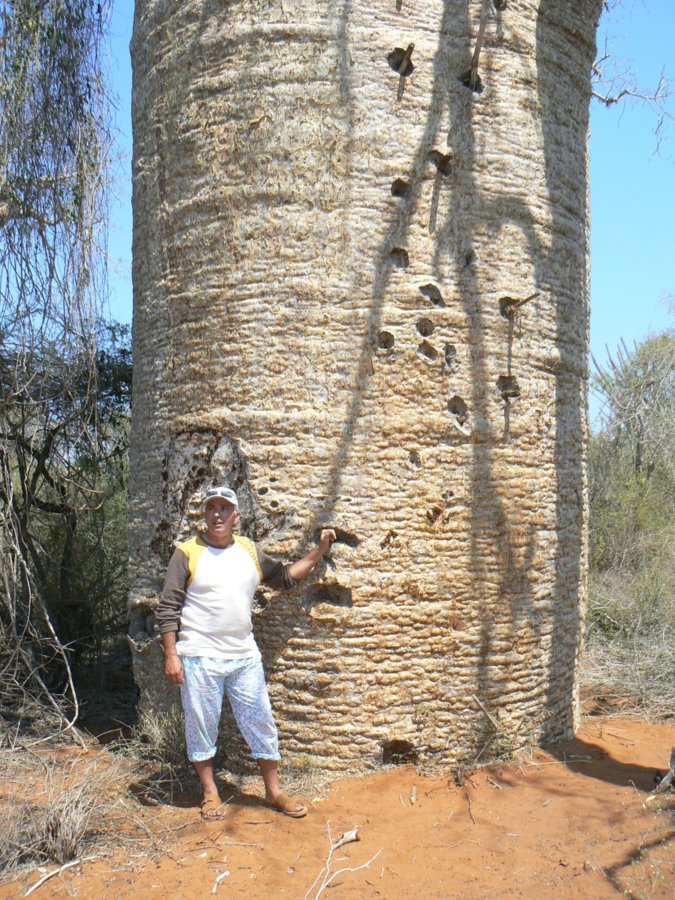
361, 297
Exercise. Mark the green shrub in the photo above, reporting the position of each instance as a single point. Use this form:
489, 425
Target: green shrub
630, 617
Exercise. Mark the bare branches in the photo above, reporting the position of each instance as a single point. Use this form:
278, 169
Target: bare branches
614, 82
326, 874
53, 147
637, 390
656, 97
218, 880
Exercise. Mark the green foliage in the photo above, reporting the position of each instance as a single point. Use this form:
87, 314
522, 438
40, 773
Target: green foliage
631, 470
73, 519
631, 510
630, 618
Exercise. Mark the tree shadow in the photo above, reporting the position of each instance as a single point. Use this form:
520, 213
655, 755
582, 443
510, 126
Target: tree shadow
613, 873
183, 791
593, 761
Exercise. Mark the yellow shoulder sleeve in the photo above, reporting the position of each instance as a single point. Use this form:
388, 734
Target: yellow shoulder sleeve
249, 547
193, 549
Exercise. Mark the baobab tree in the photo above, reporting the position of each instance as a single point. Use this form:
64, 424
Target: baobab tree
361, 297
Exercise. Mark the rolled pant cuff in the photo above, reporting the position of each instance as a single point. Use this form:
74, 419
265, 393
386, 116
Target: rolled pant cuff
274, 758
201, 757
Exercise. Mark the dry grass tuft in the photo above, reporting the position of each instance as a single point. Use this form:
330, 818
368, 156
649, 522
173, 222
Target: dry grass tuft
55, 807
57, 832
309, 781
159, 737
630, 678
156, 747
630, 646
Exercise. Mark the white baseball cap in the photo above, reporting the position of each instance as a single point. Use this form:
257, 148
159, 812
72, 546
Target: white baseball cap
223, 493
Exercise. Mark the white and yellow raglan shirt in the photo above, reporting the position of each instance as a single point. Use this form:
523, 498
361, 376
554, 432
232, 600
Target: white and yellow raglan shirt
208, 596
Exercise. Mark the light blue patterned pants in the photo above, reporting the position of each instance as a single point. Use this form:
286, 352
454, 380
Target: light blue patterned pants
243, 680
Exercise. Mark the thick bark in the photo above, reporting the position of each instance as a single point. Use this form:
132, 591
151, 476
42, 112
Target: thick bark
362, 297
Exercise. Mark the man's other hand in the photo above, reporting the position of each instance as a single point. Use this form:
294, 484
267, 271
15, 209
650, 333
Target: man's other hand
173, 670
326, 538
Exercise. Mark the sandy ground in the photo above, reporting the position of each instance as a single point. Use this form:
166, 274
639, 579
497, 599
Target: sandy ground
573, 822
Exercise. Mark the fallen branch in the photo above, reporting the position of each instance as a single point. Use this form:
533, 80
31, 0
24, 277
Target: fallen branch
468, 800
176, 828
69, 865
328, 877
152, 837
222, 875
576, 757
346, 869
241, 844
347, 838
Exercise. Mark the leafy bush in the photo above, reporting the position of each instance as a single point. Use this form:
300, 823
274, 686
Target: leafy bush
630, 618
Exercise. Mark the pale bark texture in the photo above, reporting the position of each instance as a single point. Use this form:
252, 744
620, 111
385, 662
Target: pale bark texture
328, 259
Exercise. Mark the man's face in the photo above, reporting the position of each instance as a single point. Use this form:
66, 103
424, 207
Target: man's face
221, 519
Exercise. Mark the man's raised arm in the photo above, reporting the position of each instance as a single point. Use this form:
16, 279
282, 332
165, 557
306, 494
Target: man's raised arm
305, 565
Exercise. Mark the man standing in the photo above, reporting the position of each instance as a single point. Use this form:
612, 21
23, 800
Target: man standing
204, 618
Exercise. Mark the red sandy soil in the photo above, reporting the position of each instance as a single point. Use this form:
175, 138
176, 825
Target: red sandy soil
572, 822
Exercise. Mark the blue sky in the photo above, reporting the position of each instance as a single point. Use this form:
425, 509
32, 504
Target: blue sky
633, 187
632, 182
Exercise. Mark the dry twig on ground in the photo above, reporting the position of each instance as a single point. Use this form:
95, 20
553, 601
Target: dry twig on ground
326, 873
219, 878
69, 865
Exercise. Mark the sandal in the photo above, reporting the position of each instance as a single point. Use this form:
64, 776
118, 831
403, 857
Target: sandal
212, 809
289, 806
